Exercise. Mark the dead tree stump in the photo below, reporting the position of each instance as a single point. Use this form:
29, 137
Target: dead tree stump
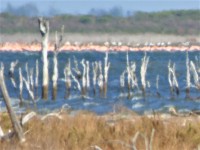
44, 30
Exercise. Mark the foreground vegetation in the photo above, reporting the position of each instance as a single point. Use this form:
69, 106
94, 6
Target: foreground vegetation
167, 22
112, 131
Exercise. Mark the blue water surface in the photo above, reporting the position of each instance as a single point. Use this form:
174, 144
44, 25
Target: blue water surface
157, 66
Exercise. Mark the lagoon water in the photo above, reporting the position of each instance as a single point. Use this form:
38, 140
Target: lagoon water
157, 66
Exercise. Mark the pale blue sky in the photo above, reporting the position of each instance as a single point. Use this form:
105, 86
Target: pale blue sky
84, 6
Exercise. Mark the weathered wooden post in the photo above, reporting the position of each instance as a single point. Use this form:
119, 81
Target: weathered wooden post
44, 30
15, 123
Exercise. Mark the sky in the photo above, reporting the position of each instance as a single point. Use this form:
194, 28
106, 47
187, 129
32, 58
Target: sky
84, 6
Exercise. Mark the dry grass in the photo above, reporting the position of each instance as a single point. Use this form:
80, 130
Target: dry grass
84, 130
102, 37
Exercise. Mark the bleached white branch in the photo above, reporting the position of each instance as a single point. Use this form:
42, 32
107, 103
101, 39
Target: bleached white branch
27, 84
57, 115
195, 74
87, 74
188, 83
143, 70
36, 73
27, 117
157, 82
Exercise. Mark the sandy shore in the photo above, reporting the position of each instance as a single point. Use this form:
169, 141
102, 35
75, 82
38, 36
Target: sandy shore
16, 46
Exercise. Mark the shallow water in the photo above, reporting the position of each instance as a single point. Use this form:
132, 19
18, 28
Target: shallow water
157, 66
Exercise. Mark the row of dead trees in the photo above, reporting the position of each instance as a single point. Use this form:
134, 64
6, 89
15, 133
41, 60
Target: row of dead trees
78, 77
129, 80
97, 68
80, 74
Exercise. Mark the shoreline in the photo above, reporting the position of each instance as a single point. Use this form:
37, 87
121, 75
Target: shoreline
20, 47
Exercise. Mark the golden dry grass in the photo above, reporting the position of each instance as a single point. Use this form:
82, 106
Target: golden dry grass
84, 130
102, 37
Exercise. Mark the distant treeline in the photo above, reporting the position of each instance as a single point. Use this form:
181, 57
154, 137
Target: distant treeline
166, 22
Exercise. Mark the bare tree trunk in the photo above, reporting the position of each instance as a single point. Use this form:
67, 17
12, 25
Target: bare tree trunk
187, 90
55, 76
36, 79
128, 75
44, 30
11, 72
84, 84
157, 86
95, 69
143, 71
67, 73
13, 117
174, 88
20, 87
122, 81
55, 62
106, 68
100, 79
